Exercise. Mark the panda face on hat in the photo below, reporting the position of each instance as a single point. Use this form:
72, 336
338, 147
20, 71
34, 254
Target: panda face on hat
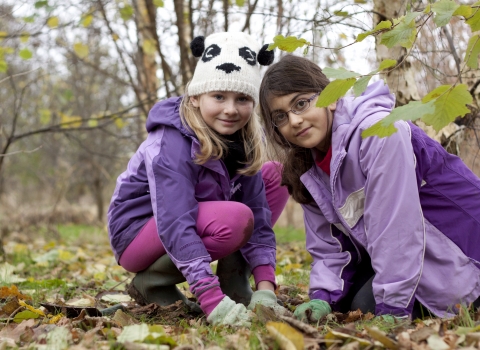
228, 62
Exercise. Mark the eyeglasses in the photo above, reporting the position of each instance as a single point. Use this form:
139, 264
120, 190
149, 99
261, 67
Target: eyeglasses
280, 119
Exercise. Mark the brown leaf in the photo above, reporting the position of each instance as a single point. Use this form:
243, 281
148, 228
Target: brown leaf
12, 292
11, 306
421, 334
354, 316
123, 319
301, 326
380, 336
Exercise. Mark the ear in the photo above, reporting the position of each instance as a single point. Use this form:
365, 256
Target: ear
265, 57
197, 46
195, 101
332, 106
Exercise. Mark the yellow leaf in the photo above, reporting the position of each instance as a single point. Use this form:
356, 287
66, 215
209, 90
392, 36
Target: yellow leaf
3, 35
87, 20
287, 337
65, 255
149, 46
52, 22
81, 50
24, 37
115, 37
119, 123
55, 318
31, 308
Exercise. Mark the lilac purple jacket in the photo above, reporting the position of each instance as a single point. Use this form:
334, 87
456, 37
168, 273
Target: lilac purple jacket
163, 181
404, 201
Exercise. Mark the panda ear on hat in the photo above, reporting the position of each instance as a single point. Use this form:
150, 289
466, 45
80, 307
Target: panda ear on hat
265, 57
198, 46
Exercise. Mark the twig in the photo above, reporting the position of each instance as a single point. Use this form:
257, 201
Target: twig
17, 75
16, 152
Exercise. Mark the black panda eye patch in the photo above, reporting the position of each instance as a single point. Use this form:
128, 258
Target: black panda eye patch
211, 52
248, 55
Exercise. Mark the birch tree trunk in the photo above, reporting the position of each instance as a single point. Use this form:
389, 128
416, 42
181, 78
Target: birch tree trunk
402, 79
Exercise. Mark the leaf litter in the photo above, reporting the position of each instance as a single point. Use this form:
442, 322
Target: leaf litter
64, 296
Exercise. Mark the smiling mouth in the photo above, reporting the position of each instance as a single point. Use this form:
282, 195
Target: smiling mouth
302, 132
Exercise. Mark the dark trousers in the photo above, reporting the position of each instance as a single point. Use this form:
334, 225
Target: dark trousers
360, 295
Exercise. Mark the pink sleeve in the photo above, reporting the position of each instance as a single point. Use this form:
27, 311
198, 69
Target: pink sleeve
264, 273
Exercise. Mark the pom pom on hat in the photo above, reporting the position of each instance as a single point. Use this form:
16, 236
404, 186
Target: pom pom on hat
197, 46
229, 62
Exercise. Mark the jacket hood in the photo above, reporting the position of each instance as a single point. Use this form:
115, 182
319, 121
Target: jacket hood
167, 113
354, 110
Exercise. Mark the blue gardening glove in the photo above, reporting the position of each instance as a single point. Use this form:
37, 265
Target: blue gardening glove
229, 313
312, 311
269, 299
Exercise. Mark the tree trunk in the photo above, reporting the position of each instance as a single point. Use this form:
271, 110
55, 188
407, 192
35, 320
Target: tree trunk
402, 79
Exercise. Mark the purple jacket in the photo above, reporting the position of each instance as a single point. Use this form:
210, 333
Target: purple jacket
404, 201
162, 180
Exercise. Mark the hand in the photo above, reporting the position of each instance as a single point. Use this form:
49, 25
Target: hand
312, 311
269, 299
229, 313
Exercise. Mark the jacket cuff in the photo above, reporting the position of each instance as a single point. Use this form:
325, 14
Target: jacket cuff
264, 273
384, 309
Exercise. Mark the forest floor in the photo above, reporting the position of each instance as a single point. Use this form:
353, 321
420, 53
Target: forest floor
60, 288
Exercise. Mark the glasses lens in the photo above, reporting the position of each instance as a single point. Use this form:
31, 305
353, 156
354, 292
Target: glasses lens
300, 106
280, 119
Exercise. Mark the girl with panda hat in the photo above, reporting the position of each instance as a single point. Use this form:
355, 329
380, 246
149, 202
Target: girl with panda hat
197, 191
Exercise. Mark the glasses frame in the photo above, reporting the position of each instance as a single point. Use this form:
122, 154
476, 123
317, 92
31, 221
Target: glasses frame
308, 100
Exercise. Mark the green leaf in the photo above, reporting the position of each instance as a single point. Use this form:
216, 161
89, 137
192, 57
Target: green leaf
240, 3
45, 116
473, 50
334, 91
3, 35
340, 73
158, 3
86, 20
25, 54
25, 315
411, 111
3, 66
444, 10
288, 44
149, 46
40, 4
409, 17
29, 19
450, 104
380, 26
361, 85
427, 9
81, 50
126, 12
379, 130
463, 10
52, 22
387, 64
403, 34
474, 21
341, 13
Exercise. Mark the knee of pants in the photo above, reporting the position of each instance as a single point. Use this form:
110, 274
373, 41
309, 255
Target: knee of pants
272, 173
239, 224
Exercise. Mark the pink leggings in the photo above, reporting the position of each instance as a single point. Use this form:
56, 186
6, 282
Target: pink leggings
221, 232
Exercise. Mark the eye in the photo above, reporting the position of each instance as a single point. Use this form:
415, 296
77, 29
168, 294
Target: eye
218, 97
279, 118
244, 99
300, 105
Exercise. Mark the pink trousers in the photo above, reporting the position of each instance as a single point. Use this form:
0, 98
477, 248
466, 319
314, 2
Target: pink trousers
222, 225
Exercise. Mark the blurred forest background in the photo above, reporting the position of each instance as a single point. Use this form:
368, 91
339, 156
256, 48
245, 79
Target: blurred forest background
78, 77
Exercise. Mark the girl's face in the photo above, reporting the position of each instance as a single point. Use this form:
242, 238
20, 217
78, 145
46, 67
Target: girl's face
224, 111
307, 129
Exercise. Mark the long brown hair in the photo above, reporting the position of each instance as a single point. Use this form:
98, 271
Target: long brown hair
292, 74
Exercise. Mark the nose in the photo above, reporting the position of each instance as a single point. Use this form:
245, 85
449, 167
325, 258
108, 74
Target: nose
294, 119
230, 108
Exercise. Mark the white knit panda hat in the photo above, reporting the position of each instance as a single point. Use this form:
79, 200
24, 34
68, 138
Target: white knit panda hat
229, 62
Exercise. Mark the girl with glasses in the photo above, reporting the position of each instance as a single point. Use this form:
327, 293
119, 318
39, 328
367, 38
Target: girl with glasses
392, 224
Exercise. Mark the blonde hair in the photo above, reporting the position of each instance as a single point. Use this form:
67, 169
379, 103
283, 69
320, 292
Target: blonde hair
212, 146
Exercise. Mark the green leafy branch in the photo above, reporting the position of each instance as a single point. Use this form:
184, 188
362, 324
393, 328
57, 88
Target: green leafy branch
438, 108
